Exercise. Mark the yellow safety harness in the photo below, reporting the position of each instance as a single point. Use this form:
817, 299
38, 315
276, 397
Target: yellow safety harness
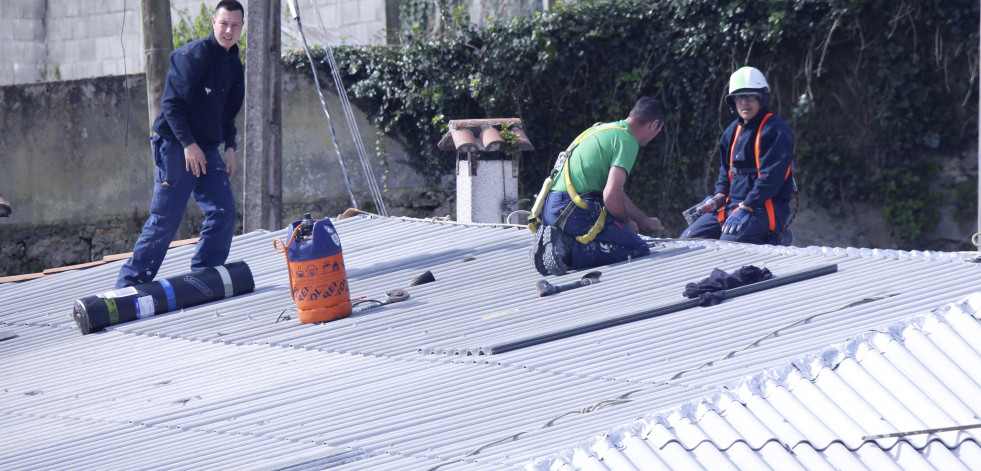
563, 163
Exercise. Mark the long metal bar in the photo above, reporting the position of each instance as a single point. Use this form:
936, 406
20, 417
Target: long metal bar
921, 432
658, 311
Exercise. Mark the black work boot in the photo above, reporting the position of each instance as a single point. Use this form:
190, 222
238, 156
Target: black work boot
553, 256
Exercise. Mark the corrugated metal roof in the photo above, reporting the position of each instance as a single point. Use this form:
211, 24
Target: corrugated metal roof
231, 384
861, 404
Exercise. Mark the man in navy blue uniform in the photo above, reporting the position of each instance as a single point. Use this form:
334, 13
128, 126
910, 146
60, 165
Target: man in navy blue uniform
755, 182
204, 91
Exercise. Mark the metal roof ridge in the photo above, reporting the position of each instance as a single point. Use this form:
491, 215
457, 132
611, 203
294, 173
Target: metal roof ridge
739, 393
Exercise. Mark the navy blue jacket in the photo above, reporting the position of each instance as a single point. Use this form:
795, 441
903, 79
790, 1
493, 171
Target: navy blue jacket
776, 158
204, 92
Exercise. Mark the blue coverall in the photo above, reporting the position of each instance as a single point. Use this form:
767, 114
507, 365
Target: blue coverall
204, 91
763, 182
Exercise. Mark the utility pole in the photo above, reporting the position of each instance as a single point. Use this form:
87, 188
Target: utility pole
158, 42
392, 22
263, 188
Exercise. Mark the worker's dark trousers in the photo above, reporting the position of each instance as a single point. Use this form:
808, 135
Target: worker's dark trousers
757, 231
615, 243
173, 185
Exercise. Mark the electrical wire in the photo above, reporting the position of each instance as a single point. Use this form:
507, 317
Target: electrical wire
349, 115
323, 104
122, 45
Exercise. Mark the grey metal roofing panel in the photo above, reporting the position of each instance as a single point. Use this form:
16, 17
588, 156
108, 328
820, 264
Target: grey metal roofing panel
404, 386
830, 409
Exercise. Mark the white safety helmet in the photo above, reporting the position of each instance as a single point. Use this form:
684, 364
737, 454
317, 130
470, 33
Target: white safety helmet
748, 81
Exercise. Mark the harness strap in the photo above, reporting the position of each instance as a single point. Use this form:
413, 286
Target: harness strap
563, 158
571, 189
768, 204
732, 148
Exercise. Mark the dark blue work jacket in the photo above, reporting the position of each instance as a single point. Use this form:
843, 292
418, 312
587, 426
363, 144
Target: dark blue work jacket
204, 92
760, 162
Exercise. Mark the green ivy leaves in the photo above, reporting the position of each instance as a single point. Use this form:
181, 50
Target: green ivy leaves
872, 89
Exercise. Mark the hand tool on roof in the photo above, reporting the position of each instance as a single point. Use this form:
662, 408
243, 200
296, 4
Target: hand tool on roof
709, 204
545, 288
391, 296
93, 313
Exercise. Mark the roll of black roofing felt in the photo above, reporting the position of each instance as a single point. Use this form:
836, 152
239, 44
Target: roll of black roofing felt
94, 313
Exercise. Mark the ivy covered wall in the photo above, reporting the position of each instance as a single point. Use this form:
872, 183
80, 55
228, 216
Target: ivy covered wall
877, 92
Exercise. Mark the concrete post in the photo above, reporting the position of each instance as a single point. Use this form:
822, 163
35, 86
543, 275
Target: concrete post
392, 23
158, 43
263, 186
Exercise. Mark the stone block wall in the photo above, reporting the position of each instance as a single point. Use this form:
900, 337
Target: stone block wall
21, 40
51, 40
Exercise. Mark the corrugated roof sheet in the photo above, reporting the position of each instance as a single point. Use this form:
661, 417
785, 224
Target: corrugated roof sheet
241, 383
903, 397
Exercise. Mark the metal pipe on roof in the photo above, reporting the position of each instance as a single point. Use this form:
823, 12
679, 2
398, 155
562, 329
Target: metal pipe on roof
658, 311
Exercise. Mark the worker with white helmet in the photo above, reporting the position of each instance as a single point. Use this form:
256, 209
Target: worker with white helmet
755, 182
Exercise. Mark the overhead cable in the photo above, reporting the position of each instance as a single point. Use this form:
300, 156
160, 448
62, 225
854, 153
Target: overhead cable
349, 115
323, 103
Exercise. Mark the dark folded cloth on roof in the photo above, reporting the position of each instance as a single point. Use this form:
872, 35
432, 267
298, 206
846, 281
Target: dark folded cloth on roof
711, 290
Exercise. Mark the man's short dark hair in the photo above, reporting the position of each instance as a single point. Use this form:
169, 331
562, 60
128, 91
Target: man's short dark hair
230, 5
648, 109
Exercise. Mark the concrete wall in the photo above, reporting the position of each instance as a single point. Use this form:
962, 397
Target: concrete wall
68, 149
80, 147
50, 40
76, 167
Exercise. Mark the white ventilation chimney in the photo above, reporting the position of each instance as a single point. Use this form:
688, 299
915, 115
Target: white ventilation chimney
486, 190
486, 167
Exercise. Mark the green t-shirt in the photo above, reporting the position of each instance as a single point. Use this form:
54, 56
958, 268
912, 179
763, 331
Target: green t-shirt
589, 165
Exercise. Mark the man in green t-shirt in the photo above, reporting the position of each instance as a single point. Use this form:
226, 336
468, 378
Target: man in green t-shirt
588, 219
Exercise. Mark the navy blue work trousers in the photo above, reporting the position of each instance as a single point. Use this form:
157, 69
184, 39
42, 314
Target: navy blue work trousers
172, 187
756, 231
615, 243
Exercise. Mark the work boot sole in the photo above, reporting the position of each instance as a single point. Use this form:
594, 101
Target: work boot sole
554, 252
542, 238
